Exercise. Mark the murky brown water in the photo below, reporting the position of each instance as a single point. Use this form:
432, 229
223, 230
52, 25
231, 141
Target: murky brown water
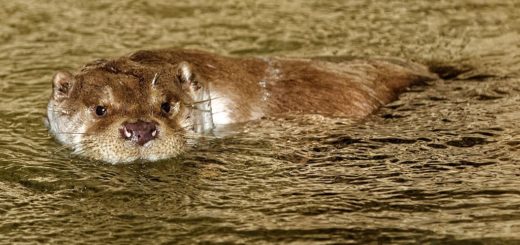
440, 165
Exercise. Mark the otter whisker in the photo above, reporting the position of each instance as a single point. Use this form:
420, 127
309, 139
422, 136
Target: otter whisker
71, 133
154, 80
82, 147
61, 111
202, 101
199, 124
60, 149
191, 135
219, 112
202, 110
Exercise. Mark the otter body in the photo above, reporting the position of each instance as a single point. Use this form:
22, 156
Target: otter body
145, 105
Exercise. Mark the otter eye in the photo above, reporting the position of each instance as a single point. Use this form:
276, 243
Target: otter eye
165, 107
101, 110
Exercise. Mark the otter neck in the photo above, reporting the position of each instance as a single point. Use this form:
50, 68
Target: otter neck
271, 75
202, 112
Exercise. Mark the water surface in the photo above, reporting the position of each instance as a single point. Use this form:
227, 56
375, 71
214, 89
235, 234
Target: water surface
440, 165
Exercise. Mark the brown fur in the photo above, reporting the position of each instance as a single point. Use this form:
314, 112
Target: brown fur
250, 87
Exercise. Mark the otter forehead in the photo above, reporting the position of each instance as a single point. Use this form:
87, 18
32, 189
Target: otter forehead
114, 87
131, 92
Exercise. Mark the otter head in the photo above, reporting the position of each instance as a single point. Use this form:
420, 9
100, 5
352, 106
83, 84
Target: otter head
119, 111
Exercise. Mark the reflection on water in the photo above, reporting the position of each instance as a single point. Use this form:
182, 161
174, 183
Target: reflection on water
439, 165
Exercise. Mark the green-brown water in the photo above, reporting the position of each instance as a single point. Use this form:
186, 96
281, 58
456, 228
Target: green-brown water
440, 165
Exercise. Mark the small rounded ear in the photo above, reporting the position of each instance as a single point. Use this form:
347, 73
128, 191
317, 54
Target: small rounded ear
186, 77
62, 85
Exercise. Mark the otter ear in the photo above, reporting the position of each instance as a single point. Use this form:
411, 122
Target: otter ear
62, 84
187, 78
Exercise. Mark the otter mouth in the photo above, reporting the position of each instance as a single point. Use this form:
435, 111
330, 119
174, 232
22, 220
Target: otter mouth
136, 148
132, 140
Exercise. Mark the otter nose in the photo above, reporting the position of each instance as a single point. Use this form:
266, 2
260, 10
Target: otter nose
140, 132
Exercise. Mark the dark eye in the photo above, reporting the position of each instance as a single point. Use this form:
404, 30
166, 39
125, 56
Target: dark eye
165, 107
101, 110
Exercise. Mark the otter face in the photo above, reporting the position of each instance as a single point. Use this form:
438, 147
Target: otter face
116, 115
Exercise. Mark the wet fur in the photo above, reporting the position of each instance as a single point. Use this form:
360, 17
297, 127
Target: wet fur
242, 89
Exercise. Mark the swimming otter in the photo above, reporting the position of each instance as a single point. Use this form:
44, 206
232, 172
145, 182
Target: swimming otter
141, 106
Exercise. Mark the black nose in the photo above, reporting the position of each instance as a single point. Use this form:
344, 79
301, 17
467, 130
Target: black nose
139, 132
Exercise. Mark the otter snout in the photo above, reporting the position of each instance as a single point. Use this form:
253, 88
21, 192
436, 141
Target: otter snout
139, 132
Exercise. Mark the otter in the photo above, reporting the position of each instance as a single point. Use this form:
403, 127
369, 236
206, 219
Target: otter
144, 105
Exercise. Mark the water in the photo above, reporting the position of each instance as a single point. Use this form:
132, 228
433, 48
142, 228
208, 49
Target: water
440, 165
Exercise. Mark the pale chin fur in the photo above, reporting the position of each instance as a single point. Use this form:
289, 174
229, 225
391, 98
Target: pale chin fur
108, 146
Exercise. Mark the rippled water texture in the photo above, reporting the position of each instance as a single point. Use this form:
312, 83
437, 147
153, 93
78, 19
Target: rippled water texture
439, 165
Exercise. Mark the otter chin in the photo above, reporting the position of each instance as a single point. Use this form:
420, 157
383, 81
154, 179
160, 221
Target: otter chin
145, 105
